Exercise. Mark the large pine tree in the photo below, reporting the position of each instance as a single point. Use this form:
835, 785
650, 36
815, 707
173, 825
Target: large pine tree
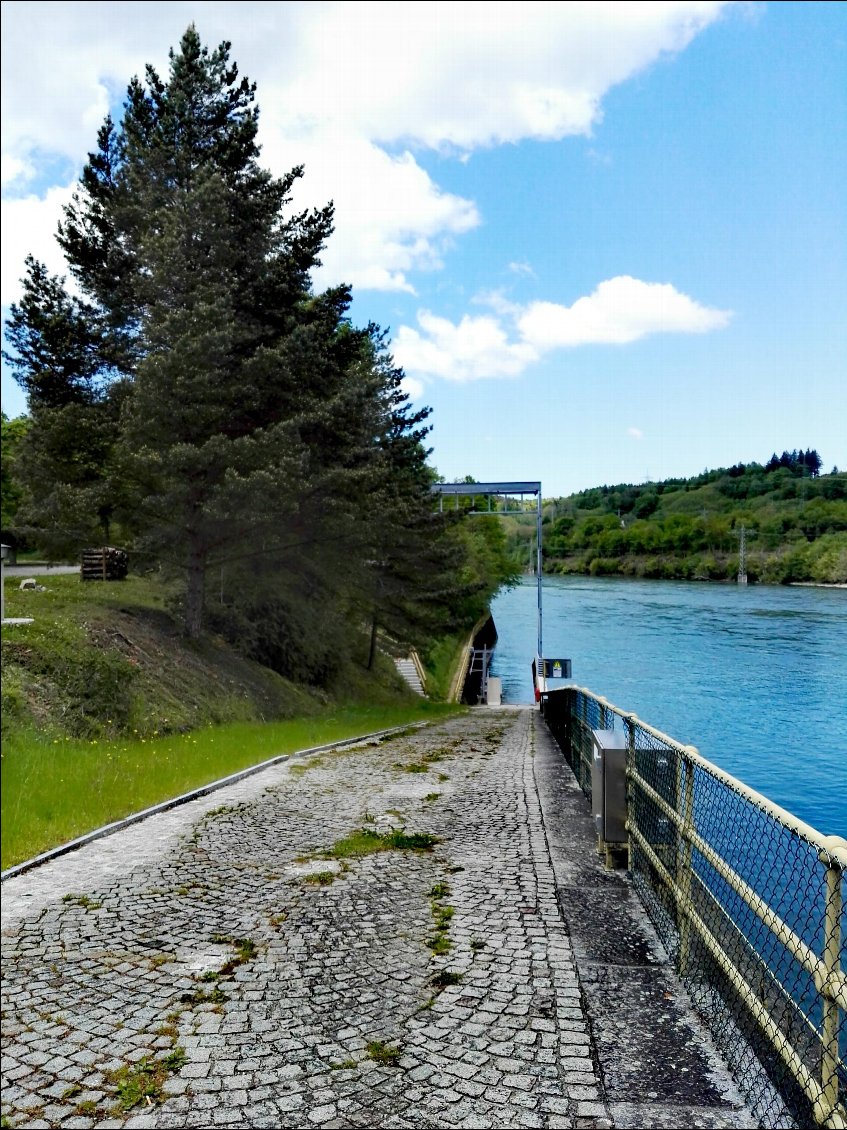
259, 419
255, 436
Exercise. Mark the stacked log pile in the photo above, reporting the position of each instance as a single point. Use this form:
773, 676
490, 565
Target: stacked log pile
105, 563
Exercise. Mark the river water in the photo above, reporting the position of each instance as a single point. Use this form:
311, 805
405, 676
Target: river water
754, 676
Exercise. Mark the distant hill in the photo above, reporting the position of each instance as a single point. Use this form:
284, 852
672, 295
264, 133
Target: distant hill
794, 521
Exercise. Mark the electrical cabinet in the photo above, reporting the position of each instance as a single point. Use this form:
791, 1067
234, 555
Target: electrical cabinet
608, 785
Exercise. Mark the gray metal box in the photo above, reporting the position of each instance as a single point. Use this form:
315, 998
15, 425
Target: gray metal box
608, 785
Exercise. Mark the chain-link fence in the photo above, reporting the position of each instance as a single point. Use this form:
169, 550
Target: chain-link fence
749, 902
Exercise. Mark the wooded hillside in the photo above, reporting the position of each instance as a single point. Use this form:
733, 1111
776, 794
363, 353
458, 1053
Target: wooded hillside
794, 521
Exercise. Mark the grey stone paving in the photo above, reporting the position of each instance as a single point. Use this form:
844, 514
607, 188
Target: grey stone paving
214, 956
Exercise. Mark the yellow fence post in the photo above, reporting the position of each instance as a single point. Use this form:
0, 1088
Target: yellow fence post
685, 790
831, 955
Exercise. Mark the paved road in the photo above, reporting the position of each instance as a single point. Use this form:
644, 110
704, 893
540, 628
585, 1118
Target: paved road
195, 956
38, 570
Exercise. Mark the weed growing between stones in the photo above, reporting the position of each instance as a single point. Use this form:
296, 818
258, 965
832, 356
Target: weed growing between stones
432, 796
144, 1080
345, 1065
366, 841
383, 1053
444, 978
425, 762
82, 900
439, 942
409, 730
245, 951
202, 996
320, 878
169, 1028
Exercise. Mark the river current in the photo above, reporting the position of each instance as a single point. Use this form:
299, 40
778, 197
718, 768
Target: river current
754, 676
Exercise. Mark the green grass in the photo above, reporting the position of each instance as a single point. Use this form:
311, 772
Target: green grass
442, 661
144, 1080
54, 790
367, 842
384, 1053
320, 878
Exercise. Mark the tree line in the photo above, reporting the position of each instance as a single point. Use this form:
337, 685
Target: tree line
794, 517
193, 398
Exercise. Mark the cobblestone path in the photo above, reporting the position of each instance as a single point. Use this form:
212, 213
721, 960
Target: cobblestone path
239, 974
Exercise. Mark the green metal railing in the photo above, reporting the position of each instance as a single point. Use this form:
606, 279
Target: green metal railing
749, 902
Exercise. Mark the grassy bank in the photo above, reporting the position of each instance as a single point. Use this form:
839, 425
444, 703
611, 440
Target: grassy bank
442, 661
54, 789
107, 708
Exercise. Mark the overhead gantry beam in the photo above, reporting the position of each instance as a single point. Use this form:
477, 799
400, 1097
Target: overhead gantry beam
502, 490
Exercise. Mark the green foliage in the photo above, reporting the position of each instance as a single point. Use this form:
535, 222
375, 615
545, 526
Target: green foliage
383, 1053
795, 521
143, 1080
13, 435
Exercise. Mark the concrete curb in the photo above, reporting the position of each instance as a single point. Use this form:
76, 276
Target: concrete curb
184, 798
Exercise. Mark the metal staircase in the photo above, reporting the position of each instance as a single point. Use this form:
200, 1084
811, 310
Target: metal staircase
411, 671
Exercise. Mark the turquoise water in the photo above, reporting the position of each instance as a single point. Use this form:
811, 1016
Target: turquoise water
755, 677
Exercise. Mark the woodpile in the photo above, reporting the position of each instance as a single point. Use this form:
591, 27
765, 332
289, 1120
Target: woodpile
105, 563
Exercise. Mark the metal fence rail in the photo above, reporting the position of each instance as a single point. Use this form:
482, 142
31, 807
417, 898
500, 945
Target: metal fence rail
748, 901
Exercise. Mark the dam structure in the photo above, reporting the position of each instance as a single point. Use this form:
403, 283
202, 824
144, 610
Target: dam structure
551, 915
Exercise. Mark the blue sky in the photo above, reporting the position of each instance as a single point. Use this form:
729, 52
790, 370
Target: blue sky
609, 240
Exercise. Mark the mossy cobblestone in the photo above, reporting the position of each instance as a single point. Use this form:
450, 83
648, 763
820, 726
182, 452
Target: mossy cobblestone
201, 965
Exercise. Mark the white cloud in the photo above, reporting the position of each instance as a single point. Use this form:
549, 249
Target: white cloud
342, 85
466, 75
391, 218
412, 387
475, 348
620, 310
522, 269
29, 228
14, 170
498, 302
636, 433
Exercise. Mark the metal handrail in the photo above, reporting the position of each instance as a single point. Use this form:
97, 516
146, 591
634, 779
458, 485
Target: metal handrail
682, 871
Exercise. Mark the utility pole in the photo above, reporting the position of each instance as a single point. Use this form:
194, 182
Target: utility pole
742, 553
742, 558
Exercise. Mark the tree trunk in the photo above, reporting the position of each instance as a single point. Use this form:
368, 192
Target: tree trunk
195, 594
372, 652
